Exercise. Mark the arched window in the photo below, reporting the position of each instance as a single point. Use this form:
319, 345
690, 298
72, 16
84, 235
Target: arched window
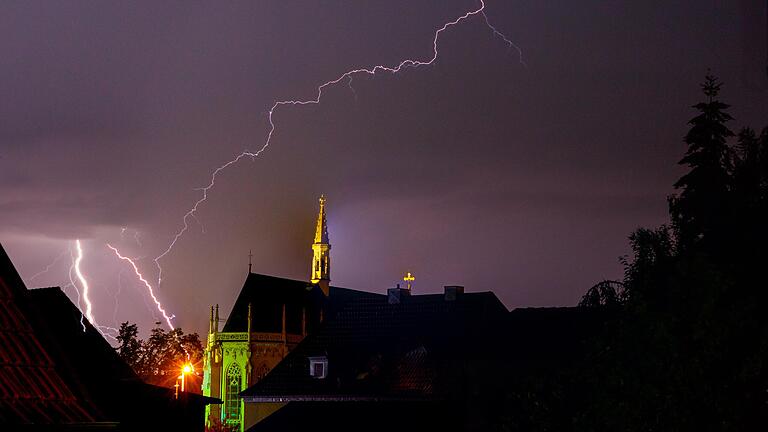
231, 398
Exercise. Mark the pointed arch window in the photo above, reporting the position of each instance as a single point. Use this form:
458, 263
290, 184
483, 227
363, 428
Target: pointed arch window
231, 395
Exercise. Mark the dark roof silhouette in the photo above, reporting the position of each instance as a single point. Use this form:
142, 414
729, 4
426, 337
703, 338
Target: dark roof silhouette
431, 362
268, 294
57, 369
381, 351
86, 360
31, 388
400, 416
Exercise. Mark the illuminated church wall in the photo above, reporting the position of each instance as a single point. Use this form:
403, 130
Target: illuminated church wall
279, 314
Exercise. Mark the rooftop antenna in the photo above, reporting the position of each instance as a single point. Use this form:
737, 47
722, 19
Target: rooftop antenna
250, 255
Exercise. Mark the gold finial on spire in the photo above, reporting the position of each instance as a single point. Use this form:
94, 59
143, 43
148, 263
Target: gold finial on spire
408, 278
321, 248
321, 230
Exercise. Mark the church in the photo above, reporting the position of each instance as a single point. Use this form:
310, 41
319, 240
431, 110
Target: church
271, 316
297, 355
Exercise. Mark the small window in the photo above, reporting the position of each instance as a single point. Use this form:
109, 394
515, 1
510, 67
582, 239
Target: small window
318, 367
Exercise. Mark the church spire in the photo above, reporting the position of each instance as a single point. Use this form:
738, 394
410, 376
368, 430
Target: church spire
321, 250
321, 230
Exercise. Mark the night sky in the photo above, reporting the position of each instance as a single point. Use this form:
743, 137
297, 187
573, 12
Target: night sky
477, 170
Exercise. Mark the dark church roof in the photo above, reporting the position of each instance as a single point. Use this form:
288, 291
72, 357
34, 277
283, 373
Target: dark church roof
381, 351
268, 294
31, 388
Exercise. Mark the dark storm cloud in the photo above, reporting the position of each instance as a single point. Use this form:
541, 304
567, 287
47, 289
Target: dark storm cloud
474, 171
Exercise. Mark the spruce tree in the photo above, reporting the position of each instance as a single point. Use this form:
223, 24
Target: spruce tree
700, 208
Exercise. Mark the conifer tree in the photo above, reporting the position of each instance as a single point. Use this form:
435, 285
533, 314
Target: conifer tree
700, 207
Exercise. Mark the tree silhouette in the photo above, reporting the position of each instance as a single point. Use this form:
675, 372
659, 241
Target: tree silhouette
610, 294
130, 349
158, 359
689, 350
699, 208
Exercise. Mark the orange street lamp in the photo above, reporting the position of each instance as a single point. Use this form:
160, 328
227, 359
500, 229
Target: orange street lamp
186, 370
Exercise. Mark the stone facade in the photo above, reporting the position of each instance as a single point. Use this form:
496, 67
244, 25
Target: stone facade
279, 314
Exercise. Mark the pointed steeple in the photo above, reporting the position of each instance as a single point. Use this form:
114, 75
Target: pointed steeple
321, 251
321, 230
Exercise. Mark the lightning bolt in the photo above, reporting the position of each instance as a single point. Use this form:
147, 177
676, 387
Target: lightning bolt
48, 267
136, 235
146, 284
83, 282
501, 35
77, 290
83, 294
349, 75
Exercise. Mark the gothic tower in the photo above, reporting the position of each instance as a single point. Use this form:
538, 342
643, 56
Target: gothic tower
321, 249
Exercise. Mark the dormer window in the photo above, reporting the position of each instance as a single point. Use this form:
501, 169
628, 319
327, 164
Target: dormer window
318, 367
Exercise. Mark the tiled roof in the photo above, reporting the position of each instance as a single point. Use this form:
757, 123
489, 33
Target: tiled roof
52, 371
31, 387
86, 361
381, 351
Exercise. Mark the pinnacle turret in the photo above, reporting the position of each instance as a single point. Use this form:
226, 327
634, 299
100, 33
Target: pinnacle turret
321, 250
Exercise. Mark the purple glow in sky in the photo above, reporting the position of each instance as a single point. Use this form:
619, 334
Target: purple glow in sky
474, 170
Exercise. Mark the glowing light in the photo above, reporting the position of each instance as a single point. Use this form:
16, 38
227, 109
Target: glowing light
83, 294
146, 284
349, 75
74, 285
186, 370
83, 283
408, 278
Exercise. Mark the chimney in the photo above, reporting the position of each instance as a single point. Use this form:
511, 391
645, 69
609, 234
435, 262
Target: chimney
397, 295
452, 292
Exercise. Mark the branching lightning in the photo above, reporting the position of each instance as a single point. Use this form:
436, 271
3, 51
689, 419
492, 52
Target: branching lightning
135, 235
146, 284
49, 266
83, 291
501, 35
349, 75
